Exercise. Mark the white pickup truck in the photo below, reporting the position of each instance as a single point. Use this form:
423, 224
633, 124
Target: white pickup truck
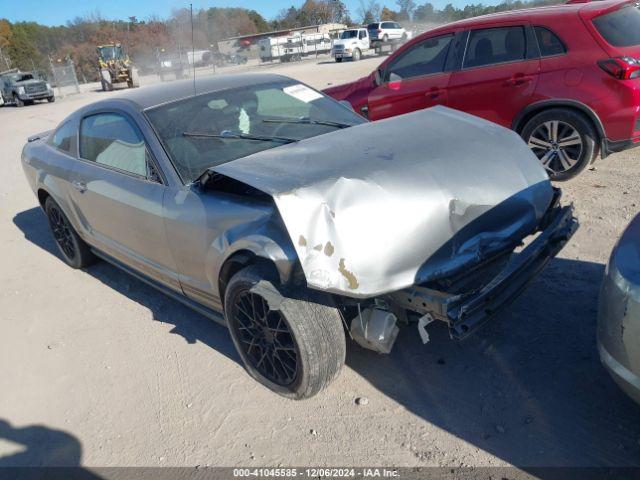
354, 43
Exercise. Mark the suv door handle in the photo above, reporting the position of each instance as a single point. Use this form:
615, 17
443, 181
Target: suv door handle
80, 186
434, 92
519, 79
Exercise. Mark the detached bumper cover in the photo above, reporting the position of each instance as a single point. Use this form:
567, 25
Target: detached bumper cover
464, 313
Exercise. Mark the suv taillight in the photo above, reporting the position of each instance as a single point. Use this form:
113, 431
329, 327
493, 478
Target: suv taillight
378, 31
622, 68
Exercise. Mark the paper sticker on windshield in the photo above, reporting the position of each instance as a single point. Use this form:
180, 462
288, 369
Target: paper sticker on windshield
302, 93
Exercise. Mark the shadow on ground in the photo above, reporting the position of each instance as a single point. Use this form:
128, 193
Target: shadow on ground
528, 387
41, 453
188, 324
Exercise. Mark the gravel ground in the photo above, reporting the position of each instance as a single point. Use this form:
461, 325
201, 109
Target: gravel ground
100, 370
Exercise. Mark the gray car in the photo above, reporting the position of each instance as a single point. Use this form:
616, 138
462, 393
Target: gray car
280, 212
619, 312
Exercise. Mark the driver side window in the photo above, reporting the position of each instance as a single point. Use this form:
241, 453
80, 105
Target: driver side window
111, 140
424, 58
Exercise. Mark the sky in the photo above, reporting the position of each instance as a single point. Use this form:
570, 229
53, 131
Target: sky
57, 12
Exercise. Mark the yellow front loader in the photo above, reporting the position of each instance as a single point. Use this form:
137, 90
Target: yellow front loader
116, 69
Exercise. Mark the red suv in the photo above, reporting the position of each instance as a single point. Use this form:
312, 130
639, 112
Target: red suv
565, 77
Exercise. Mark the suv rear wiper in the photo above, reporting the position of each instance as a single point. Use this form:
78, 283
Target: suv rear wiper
240, 136
308, 121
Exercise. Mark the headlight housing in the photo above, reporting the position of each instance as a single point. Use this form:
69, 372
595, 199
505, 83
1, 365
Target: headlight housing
20, 90
48, 86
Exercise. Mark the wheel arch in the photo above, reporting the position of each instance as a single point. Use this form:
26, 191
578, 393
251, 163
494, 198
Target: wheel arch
252, 251
525, 115
42, 196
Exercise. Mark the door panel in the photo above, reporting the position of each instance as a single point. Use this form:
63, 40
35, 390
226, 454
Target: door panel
498, 76
121, 210
414, 80
396, 98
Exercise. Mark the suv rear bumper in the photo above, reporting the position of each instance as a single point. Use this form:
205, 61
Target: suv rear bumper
466, 312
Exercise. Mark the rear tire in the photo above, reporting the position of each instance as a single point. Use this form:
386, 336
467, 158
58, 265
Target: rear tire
564, 141
75, 252
290, 343
385, 38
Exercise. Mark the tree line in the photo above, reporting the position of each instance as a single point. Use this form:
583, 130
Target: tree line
32, 46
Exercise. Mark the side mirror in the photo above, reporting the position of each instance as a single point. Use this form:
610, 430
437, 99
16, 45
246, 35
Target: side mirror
377, 78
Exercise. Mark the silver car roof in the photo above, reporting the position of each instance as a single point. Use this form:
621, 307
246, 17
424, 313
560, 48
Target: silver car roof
161, 93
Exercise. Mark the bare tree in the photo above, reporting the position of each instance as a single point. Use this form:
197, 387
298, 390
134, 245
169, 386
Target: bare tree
369, 11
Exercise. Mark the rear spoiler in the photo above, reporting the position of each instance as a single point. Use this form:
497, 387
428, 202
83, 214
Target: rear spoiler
39, 136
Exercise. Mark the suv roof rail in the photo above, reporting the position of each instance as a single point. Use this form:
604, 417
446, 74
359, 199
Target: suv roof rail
13, 70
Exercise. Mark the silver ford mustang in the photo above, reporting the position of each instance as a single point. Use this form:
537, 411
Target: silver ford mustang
278, 211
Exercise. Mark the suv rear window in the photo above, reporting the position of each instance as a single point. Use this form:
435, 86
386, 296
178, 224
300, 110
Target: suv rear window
372, 26
620, 28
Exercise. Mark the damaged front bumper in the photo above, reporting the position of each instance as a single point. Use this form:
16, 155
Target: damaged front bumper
464, 312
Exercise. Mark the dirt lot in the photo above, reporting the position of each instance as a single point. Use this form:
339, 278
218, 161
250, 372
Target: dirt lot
100, 370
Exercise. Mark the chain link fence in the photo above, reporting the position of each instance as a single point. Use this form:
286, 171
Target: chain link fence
65, 79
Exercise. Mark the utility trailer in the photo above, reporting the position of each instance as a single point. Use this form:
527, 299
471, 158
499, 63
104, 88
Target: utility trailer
295, 47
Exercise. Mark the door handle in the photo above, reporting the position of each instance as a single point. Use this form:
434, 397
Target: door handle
434, 93
80, 186
519, 79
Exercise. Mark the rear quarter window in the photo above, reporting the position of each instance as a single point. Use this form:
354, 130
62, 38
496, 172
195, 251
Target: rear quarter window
549, 43
620, 28
64, 138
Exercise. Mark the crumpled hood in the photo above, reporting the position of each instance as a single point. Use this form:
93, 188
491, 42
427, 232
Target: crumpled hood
381, 206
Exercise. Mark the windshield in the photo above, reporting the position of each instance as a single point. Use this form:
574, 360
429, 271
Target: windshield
349, 34
214, 128
620, 28
110, 53
21, 77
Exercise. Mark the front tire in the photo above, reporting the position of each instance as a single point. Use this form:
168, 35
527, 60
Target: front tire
292, 344
18, 103
134, 78
356, 55
51, 99
338, 60
564, 141
75, 252
106, 81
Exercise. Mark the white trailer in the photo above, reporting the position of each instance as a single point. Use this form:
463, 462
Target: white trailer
294, 47
271, 48
196, 57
